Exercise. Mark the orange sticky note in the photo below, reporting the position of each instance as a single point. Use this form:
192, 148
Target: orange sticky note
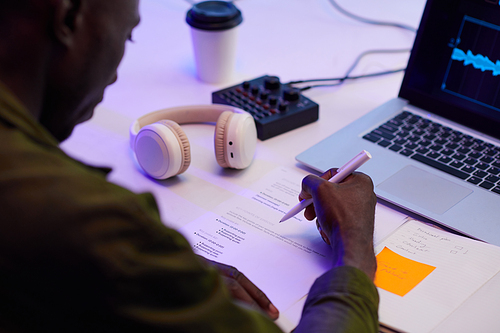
398, 274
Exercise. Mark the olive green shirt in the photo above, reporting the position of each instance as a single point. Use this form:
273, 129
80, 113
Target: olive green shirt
80, 254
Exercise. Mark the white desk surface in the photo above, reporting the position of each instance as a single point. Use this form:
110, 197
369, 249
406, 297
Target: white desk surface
293, 39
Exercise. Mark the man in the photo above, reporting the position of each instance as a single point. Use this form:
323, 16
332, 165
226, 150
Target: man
79, 254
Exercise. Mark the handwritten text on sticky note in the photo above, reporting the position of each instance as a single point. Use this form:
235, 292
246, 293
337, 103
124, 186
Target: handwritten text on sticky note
398, 274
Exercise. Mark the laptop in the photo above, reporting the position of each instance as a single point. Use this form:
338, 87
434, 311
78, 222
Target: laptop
436, 147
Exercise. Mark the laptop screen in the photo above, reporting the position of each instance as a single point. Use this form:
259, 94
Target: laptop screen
454, 68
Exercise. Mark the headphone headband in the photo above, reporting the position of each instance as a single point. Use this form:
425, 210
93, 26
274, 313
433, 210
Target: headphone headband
182, 115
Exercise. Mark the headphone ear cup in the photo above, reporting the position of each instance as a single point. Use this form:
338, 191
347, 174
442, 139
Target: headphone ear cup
235, 140
162, 149
219, 141
183, 141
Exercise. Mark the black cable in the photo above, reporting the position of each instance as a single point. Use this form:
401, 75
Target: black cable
343, 79
347, 77
358, 59
370, 21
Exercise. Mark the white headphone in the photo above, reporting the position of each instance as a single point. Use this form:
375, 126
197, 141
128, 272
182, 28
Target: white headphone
162, 148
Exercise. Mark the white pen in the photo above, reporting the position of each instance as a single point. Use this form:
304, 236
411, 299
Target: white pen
341, 174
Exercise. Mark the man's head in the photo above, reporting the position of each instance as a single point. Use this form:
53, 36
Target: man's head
80, 44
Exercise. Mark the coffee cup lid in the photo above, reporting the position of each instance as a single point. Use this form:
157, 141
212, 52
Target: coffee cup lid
214, 15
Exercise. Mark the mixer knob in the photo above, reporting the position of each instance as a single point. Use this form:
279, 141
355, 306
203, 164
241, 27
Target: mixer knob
291, 95
283, 106
272, 83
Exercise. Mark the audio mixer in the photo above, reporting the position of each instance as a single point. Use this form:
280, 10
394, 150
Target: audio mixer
277, 108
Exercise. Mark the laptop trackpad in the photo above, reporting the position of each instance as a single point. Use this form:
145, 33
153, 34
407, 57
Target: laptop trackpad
424, 189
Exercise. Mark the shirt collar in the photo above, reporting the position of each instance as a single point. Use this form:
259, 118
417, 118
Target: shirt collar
13, 112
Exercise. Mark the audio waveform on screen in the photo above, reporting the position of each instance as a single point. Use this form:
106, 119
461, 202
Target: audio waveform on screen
473, 71
477, 61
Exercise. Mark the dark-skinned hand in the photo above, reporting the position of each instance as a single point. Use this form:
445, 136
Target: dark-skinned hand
345, 215
242, 289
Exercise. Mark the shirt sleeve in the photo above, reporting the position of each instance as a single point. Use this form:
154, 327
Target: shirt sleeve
342, 300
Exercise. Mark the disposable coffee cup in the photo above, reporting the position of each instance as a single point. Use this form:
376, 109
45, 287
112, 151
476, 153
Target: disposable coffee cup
214, 33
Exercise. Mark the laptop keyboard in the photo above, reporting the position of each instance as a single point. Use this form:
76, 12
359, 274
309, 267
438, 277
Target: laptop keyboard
441, 147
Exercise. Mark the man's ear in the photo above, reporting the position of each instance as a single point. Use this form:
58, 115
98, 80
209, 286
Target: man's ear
67, 16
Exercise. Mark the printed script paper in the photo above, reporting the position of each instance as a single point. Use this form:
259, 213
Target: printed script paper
283, 259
